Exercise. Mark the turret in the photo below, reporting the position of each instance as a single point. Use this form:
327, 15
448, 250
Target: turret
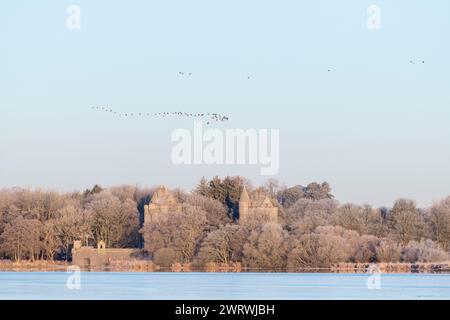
244, 203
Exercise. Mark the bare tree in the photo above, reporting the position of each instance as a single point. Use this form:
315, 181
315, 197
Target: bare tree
266, 250
306, 215
272, 187
424, 251
327, 245
216, 212
366, 249
362, 219
50, 241
21, 238
223, 245
181, 231
114, 222
406, 221
388, 251
72, 224
440, 223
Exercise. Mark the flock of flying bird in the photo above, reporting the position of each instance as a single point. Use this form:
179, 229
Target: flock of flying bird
210, 117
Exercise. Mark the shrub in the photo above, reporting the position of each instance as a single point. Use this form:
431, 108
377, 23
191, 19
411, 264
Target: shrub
423, 251
388, 251
165, 257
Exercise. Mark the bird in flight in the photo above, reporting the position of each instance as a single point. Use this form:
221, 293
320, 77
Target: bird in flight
182, 73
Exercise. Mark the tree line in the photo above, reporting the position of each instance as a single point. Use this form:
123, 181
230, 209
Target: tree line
314, 230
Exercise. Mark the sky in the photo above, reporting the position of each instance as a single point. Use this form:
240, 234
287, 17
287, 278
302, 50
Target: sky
376, 127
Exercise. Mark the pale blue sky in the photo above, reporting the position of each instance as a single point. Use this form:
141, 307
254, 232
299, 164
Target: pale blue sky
376, 127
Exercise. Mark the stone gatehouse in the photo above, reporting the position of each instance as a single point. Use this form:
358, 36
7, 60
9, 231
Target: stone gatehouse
100, 257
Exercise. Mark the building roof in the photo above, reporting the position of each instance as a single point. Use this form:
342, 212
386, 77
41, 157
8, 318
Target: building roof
257, 199
244, 196
163, 196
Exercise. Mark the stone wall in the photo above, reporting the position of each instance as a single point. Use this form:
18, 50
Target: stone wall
92, 258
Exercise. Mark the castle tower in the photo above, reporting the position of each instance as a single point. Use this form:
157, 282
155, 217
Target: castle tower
257, 205
244, 203
161, 204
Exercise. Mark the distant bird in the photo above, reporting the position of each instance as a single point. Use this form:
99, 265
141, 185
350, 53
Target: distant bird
182, 73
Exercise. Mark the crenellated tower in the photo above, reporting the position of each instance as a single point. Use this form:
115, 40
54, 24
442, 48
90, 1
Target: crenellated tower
257, 205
